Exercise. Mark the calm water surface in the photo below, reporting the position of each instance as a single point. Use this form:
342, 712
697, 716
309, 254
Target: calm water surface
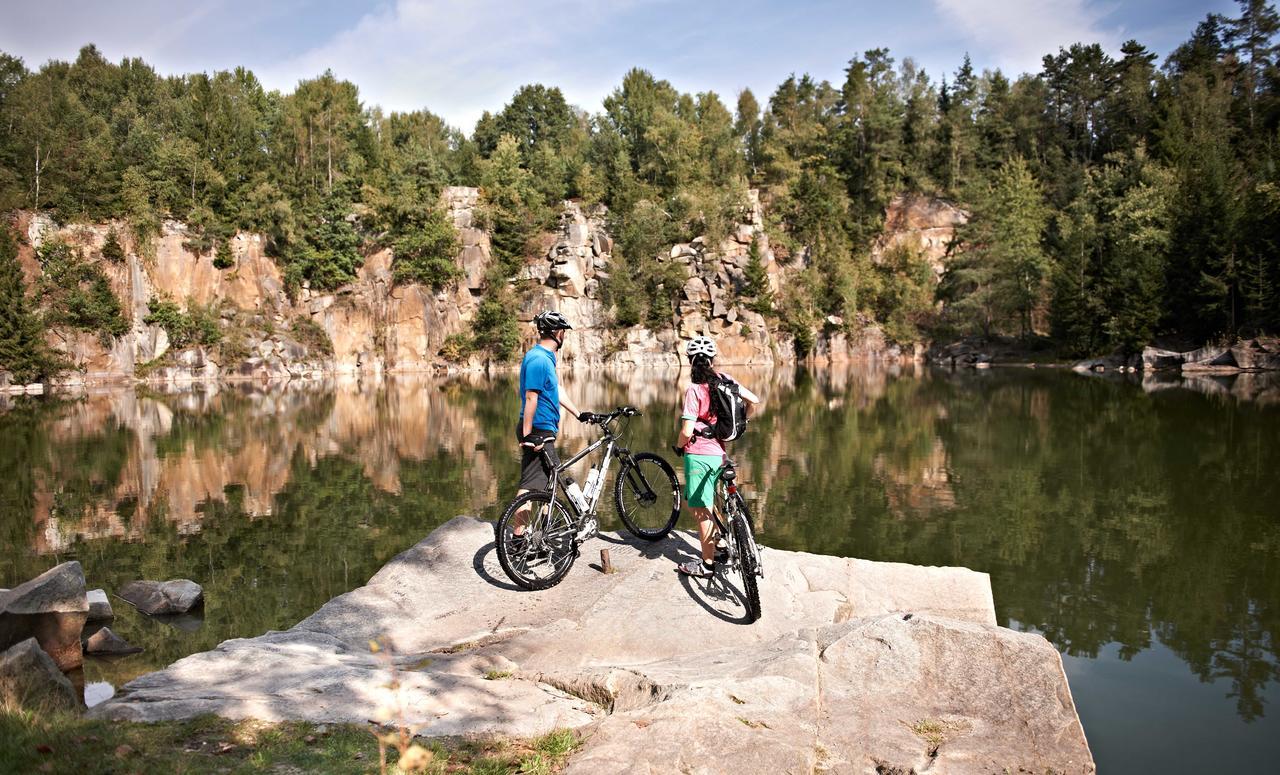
1137, 528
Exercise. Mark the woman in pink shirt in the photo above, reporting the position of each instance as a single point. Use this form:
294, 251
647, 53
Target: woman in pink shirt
703, 455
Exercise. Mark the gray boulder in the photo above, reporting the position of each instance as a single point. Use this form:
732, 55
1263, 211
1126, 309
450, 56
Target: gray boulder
104, 642
834, 676
1155, 359
51, 608
99, 606
163, 598
29, 678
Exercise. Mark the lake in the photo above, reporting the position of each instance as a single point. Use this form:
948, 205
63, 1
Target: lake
1134, 523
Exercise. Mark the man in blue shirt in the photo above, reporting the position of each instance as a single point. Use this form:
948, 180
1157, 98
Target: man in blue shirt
540, 403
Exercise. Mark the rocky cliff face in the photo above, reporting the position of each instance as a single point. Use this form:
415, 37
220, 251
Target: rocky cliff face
376, 326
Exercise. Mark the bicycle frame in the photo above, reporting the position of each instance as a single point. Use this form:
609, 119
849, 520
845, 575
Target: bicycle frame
725, 489
609, 441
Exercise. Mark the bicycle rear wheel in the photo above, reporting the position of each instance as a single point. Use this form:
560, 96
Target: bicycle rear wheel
647, 496
543, 553
746, 562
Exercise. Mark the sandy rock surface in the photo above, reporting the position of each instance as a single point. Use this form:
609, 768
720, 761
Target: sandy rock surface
854, 666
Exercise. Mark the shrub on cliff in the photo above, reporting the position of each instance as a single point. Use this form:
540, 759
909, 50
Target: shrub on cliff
22, 349
195, 326
112, 250
223, 258
312, 336
423, 242
77, 294
494, 330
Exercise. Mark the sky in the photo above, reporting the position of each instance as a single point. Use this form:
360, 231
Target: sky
458, 58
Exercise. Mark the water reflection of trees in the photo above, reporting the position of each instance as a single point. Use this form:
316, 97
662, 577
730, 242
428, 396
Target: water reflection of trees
1105, 514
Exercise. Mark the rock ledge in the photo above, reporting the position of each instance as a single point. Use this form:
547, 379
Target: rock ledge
856, 666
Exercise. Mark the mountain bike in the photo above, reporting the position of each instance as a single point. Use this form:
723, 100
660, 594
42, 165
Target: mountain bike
733, 523
538, 547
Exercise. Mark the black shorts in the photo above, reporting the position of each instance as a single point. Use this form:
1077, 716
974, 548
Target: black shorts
535, 471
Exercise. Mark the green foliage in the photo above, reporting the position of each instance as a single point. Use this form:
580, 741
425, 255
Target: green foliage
457, 348
998, 278
513, 207
76, 293
324, 177
494, 330
195, 325
223, 258
905, 296
756, 290
22, 349
311, 335
424, 245
329, 253
111, 248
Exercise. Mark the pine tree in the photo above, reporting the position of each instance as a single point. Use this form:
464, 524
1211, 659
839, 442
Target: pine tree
111, 248
22, 349
1003, 269
757, 281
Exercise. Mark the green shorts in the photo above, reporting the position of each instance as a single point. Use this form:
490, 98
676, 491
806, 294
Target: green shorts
700, 474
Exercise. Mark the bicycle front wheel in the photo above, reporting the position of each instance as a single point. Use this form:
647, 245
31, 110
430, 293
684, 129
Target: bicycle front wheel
647, 495
746, 563
536, 541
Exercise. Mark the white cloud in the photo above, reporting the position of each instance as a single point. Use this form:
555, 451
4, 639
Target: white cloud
461, 57
1016, 34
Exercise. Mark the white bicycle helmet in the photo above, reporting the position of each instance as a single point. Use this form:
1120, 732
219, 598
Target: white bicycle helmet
549, 322
700, 345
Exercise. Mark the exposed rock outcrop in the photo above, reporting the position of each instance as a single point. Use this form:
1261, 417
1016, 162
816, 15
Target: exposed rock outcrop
923, 224
51, 608
854, 666
375, 325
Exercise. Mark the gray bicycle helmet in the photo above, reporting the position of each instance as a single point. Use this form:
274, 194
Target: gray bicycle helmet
550, 322
700, 345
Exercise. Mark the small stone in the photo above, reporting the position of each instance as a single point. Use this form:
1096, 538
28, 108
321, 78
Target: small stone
124, 751
99, 606
106, 642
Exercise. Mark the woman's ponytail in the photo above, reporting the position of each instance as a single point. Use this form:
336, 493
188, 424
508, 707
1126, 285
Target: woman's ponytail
702, 373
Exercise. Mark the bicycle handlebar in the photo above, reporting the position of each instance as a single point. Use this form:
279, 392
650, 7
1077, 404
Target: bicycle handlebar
622, 411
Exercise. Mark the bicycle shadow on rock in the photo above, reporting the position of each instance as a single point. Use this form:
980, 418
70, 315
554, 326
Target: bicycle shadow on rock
718, 588
483, 570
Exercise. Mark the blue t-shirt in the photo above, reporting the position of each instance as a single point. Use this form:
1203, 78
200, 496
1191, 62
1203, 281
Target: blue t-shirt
538, 372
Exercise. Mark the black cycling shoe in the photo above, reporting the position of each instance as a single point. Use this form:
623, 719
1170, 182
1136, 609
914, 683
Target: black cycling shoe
722, 554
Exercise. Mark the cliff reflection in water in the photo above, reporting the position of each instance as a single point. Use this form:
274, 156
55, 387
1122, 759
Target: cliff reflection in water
1104, 513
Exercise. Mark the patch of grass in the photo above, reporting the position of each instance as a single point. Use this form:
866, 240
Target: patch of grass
497, 675
935, 731
56, 741
60, 742
556, 744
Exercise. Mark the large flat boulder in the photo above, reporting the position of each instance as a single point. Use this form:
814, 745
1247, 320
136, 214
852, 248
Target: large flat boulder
51, 608
30, 679
853, 665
